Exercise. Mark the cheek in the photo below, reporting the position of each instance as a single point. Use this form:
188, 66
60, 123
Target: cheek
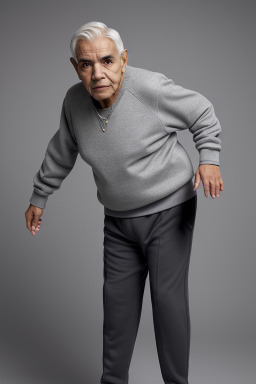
86, 80
114, 78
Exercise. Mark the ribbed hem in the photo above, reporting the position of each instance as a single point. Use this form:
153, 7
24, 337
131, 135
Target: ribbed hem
184, 193
38, 200
209, 156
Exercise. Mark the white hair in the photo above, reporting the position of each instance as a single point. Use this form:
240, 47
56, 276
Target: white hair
94, 29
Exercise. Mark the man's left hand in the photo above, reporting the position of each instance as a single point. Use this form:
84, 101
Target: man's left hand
211, 179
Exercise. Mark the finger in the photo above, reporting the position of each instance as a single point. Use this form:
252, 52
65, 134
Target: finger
206, 188
217, 189
197, 181
29, 217
31, 230
35, 222
213, 189
36, 229
28, 223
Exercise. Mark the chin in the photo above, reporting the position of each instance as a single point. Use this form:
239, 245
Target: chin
101, 95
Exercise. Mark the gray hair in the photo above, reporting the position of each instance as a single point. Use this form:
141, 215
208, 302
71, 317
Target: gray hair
94, 29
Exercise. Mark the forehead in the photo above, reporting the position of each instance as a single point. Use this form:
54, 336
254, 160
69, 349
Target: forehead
95, 47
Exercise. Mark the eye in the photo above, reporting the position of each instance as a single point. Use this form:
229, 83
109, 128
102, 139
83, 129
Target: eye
108, 60
84, 64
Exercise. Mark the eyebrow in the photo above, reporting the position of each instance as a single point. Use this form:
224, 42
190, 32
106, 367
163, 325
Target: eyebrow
103, 58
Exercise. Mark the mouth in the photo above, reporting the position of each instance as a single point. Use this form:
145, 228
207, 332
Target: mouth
101, 87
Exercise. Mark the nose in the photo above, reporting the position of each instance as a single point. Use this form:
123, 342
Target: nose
97, 73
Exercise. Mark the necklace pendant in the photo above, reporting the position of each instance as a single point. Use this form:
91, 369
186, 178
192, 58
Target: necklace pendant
103, 129
106, 121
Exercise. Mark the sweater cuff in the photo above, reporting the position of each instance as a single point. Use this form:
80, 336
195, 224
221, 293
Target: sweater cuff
38, 200
209, 156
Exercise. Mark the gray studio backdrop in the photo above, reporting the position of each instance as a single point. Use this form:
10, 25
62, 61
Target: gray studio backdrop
51, 284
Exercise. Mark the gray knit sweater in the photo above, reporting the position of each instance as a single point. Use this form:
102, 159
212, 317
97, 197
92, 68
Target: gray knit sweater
138, 164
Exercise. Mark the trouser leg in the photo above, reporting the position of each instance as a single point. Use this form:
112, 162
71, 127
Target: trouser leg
168, 254
125, 272
166, 240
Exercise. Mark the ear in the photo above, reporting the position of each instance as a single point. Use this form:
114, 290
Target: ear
124, 59
75, 65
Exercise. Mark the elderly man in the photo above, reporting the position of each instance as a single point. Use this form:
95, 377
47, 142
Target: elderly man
123, 121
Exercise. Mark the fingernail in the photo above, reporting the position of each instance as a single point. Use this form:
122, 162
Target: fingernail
218, 195
213, 196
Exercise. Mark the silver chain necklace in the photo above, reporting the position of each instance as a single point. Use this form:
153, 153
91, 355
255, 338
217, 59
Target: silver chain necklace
101, 119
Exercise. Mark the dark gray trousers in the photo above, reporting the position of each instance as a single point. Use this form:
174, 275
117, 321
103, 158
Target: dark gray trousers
160, 244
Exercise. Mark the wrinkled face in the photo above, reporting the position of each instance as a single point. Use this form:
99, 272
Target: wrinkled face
99, 64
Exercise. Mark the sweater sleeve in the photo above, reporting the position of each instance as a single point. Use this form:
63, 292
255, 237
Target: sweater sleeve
60, 158
180, 108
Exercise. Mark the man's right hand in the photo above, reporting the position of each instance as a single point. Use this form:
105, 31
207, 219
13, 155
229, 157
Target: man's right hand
33, 220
